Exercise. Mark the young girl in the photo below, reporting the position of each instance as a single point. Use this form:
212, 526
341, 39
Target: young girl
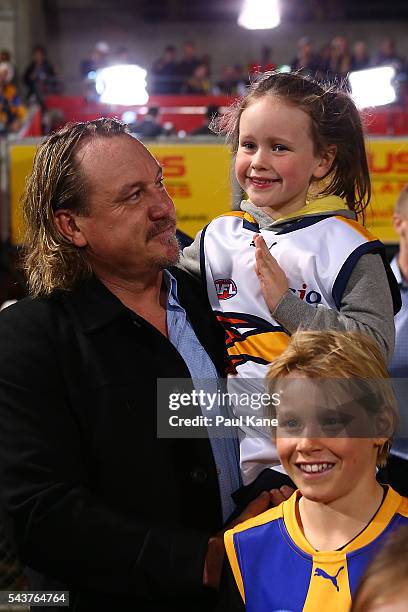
311, 551
294, 256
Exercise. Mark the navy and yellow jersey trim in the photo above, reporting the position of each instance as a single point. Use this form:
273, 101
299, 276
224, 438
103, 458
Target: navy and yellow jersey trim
233, 556
275, 567
373, 245
293, 226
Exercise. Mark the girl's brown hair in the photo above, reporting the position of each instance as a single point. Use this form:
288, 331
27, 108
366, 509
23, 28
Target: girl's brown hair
335, 121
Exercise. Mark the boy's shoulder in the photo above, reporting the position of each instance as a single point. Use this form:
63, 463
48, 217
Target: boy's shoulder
256, 521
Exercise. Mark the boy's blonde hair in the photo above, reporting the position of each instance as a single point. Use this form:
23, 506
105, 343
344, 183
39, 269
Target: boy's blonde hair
336, 355
386, 577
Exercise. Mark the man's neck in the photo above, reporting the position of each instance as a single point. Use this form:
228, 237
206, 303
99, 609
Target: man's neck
333, 525
147, 297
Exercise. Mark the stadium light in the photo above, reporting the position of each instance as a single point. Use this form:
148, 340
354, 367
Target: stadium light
373, 87
259, 14
123, 84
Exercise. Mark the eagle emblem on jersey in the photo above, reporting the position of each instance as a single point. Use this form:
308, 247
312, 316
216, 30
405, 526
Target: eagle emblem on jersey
225, 288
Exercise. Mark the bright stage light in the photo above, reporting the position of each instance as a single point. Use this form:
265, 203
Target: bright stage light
259, 14
124, 85
373, 87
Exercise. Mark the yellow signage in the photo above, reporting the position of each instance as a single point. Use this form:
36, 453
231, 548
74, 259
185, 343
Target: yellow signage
197, 177
21, 161
388, 161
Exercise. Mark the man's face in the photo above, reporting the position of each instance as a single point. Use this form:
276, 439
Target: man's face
129, 230
400, 221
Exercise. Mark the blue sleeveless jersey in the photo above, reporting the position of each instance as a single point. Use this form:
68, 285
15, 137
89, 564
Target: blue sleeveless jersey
276, 568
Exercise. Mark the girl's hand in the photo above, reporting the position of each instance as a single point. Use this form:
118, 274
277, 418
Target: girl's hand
272, 278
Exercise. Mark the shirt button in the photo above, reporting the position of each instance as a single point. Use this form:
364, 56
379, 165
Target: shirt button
198, 475
218, 471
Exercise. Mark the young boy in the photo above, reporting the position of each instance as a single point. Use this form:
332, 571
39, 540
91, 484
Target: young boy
332, 433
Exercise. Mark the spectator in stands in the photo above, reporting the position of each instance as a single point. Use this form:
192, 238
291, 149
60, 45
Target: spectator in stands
383, 587
99, 59
149, 126
265, 62
340, 58
121, 56
323, 60
5, 57
388, 56
40, 77
188, 63
359, 58
228, 84
12, 111
204, 130
164, 72
198, 83
242, 79
305, 60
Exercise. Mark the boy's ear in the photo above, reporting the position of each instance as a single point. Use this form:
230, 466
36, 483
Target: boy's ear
65, 222
326, 161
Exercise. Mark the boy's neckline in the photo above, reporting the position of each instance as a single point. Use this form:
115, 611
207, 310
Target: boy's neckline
371, 531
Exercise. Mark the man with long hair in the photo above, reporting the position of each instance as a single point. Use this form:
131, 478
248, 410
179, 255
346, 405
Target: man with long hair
99, 504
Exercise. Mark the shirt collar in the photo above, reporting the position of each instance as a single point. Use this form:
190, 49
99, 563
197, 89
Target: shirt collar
397, 272
173, 302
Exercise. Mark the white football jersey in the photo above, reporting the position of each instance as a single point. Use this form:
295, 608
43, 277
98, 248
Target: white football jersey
317, 253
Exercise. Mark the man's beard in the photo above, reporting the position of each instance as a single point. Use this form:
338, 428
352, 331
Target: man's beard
172, 258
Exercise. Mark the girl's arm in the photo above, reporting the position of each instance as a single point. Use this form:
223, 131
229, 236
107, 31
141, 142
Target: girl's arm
366, 304
190, 257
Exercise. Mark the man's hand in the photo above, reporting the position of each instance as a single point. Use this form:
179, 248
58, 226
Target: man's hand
272, 278
215, 551
280, 495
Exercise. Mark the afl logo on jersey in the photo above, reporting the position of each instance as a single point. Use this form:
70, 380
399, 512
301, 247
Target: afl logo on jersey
225, 288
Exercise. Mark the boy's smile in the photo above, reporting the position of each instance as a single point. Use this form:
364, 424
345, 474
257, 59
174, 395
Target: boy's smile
320, 439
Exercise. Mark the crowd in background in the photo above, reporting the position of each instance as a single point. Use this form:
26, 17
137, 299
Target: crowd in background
186, 72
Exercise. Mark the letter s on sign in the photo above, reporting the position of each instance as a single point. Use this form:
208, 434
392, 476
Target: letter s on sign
173, 165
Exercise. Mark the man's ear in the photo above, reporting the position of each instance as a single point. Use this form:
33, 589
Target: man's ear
65, 222
326, 161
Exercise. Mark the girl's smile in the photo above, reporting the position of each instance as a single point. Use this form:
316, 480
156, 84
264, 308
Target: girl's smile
276, 161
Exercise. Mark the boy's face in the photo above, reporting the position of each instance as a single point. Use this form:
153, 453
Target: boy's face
323, 438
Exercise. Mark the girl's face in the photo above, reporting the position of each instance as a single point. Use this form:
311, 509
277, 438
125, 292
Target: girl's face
320, 439
275, 161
